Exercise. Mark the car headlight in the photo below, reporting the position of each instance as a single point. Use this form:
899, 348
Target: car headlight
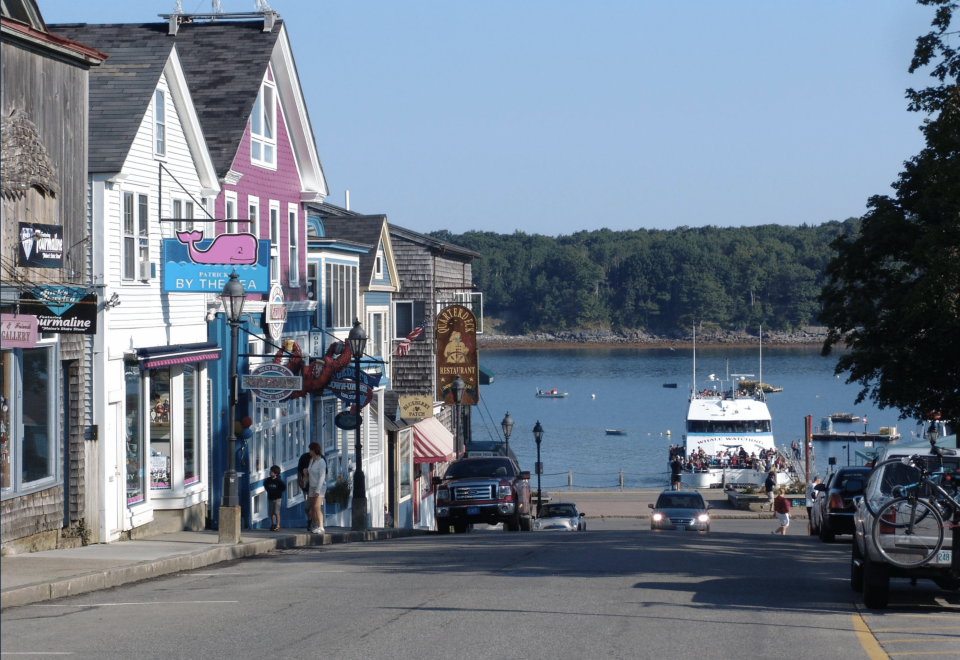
703, 518
503, 492
657, 517
443, 494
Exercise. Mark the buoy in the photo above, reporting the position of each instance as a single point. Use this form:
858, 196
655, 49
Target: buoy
668, 431
593, 396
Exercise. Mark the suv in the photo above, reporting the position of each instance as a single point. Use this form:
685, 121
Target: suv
832, 511
487, 490
869, 572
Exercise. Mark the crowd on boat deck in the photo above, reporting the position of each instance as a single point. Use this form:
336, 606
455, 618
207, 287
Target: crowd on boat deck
725, 394
736, 458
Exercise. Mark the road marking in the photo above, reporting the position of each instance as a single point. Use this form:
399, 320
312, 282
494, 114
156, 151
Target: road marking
922, 641
925, 616
159, 602
323, 571
921, 653
867, 640
876, 630
36, 652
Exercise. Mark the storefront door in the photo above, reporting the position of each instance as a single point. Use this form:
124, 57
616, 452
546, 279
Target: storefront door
114, 482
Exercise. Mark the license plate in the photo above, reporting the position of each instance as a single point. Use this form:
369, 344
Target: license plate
944, 556
681, 528
473, 511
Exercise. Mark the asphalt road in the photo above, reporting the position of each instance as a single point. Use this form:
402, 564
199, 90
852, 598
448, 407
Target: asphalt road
616, 591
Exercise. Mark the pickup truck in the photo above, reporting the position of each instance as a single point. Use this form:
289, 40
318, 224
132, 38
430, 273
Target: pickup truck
487, 490
869, 572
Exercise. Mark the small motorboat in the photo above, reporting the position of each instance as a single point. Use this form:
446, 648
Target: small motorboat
672, 386
615, 431
849, 418
551, 394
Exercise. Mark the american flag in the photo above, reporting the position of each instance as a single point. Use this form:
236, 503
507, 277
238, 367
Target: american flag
404, 346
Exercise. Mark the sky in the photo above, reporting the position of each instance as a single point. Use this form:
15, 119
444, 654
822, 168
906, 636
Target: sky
556, 116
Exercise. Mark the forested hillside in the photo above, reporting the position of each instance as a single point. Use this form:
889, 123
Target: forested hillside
659, 281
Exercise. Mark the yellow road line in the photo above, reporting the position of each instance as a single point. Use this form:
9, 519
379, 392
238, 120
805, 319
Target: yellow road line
922, 641
921, 653
867, 640
925, 616
876, 630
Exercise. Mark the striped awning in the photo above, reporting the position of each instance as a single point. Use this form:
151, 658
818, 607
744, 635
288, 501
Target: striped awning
165, 356
432, 442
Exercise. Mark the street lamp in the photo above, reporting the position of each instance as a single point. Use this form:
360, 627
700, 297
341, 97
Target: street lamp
538, 436
507, 426
358, 341
457, 387
232, 297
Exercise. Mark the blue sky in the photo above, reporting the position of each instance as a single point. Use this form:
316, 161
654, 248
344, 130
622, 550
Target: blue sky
552, 116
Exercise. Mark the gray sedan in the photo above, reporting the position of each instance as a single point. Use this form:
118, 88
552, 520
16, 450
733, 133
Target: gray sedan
681, 510
560, 516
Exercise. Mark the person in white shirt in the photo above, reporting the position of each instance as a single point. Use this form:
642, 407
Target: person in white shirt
811, 496
317, 474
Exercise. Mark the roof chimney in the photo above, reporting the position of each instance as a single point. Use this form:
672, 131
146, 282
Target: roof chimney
348, 200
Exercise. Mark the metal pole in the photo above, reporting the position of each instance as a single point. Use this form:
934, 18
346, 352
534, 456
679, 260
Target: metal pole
231, 496
807, 444
359, 481
539, 493
507, 436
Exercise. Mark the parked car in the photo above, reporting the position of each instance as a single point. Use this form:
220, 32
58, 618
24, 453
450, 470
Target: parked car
560, 516
832, 512
490, 490
681, 510
869, 572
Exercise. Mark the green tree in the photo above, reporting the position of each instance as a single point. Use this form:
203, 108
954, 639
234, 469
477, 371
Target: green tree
893, 290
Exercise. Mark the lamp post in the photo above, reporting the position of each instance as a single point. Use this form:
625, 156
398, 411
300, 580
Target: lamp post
358, 341
232, 297
507, 426
457, 387
538, 436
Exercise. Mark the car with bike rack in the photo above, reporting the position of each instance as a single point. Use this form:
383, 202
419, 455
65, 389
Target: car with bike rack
907, 523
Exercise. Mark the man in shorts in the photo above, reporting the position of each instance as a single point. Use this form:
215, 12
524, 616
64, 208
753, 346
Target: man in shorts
676, 473
769, 486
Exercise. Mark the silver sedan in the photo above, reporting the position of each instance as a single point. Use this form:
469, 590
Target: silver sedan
560, 516
681, 510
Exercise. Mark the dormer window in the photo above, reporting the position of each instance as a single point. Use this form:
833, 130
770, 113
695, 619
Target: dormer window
159, 112
263, 127
378, 267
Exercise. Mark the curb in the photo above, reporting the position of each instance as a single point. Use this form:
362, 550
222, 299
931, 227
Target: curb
766, 515
114, 577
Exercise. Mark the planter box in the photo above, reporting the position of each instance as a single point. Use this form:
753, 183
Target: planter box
757, 502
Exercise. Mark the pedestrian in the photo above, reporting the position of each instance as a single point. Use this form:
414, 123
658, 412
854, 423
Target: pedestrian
317, 474
769, 486
811, 500
304, 481
275, 488
781, 506
676, 473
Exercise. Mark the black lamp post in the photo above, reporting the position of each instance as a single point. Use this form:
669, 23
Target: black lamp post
232, 297
457, 387
507, 426
538, 436
358, 341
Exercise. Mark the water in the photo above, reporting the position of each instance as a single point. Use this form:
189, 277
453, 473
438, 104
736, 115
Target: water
628, 384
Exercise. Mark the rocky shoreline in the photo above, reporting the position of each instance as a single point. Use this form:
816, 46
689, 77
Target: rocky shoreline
806, 336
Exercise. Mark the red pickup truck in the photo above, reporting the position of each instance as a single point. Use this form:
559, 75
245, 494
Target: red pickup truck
487, 490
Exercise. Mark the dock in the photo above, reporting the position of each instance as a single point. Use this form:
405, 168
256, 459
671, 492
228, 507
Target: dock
857, 437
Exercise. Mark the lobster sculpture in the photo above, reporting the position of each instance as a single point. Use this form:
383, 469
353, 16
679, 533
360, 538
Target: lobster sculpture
319, 373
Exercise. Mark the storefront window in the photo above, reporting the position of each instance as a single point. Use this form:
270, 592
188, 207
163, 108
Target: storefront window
406, 474
7, 371
190, 473
161, 464
39, 430
135, 490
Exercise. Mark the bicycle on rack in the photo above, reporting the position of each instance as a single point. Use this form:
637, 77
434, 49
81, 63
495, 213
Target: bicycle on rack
908, 530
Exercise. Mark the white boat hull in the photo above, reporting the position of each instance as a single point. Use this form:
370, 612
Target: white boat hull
717, 478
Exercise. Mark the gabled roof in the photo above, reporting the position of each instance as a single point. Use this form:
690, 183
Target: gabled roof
225, 62
370, 230
433, 243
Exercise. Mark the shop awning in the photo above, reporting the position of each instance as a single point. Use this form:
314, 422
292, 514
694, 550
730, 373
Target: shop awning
432, 442
486, 376
155, 357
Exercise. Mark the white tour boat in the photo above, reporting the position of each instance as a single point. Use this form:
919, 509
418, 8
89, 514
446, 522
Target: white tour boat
725, 419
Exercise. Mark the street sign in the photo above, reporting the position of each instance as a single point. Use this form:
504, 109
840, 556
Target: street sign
416, 406
272, 384
18, 331
345, 420
344, 386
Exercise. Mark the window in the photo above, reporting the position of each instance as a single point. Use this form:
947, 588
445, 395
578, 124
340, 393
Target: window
341, 302
407, 315
329, 434
263, 127
378, 267
274, 241
313, 277
134, 434
159, 112
230, 211
136, 236
293, 238
191, 466
253, 214
183, 213
406, 470
29, 421
161, 430
375, 331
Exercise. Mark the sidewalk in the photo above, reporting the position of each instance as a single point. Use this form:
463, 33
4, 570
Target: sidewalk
40, 576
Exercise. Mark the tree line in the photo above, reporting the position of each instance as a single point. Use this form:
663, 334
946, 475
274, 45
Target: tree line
657, 281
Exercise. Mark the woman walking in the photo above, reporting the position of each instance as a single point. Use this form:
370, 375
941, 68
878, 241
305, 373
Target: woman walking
317, 473
781, 506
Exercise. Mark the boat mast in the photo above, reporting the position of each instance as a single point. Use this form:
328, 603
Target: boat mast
760, 384
694, 358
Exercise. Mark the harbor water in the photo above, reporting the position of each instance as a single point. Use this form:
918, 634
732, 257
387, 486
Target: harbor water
622, 388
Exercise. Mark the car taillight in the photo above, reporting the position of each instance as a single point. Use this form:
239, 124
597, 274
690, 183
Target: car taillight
443, 494
836, 501
891, 517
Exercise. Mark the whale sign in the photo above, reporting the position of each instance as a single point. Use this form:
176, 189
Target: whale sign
192, 264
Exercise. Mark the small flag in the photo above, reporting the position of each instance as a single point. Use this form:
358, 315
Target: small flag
404, 346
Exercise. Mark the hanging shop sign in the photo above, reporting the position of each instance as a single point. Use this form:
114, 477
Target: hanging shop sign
40, 246
416, 406
18, 330
457, 354
272, 384
193, 264
345, 420
344, 386
275, 313
65, 310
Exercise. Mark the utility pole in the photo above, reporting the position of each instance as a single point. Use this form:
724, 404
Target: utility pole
807, 445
